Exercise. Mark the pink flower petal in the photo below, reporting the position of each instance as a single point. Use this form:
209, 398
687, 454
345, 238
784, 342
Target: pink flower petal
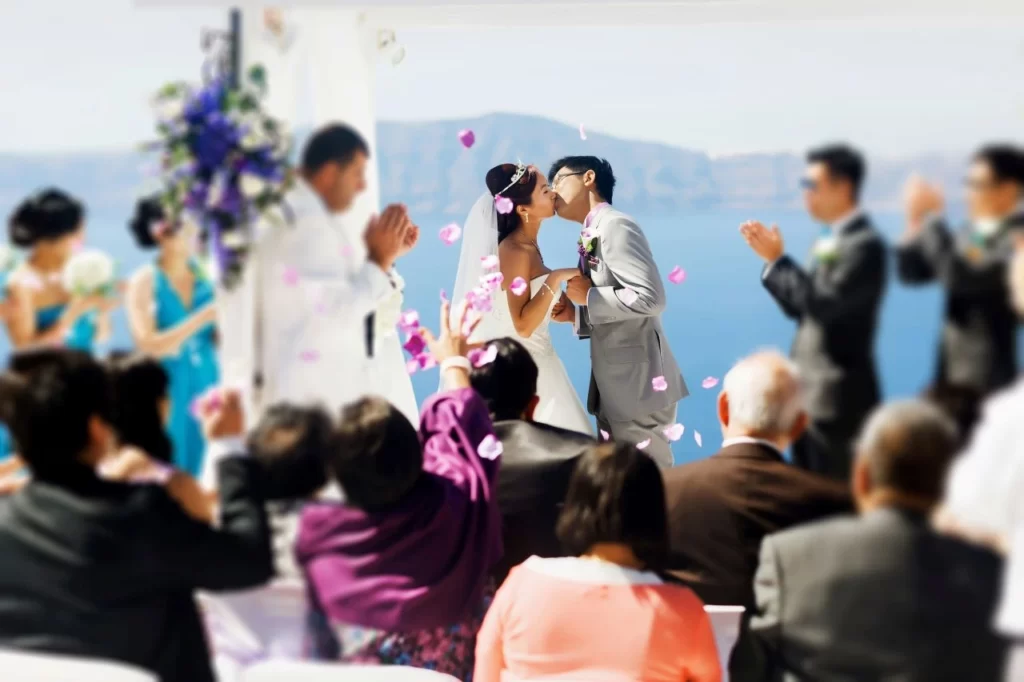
409, 321
518, 286
489, 262
290, 276
674, 432
426, 361
503, 204
483, 356
490, 447
642, 445
605, 435
467, 138
414, 344
209, 400
677, 275
628, 296
412, 366
310, 355
698, 439
347, 251
444, 296
659, 384
479, 300
709, 382
450, 233
492, 280
320, 307
583, 133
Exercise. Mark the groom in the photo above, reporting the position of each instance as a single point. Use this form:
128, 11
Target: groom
618, 298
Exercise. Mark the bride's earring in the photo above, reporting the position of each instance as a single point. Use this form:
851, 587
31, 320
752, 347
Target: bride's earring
527, 216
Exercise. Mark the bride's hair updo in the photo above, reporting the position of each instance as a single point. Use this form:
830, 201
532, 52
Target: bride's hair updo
50, 214
520, 194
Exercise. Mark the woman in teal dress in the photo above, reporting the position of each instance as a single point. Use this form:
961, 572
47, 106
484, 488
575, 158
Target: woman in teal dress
171, 315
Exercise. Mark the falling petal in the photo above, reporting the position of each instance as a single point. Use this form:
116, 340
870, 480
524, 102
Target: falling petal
467, 138
320, 307
483, 356
674, 432
492, 281
642, 445
628, 296
583, 133
290, 276
518, 286
444, 296
503, 204
409, 321
346, 251
426, 361
659, 384
414, 344
605, 435
709, 382
489, 262
677, 275
450, 233
309, 355
412, 366
697, 439
490, 447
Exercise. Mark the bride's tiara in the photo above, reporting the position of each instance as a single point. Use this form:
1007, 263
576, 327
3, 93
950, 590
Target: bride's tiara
520, 172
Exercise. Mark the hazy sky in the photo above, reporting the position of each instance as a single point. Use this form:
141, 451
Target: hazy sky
77, 75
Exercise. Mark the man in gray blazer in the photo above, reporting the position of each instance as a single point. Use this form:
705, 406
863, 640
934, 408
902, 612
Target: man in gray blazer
881, 596
635, 382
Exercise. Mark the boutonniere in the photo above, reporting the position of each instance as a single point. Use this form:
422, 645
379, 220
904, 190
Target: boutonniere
986, 229
587, 244
825, 249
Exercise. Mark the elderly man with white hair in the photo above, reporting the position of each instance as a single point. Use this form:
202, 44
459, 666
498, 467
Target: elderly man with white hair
721, 507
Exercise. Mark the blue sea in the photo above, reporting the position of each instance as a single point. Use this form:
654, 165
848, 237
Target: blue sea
717, 315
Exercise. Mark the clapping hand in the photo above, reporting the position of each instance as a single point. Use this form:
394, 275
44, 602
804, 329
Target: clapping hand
766, 243
920, 200
387, 236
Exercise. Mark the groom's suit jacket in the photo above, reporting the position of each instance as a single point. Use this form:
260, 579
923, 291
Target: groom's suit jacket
628, 348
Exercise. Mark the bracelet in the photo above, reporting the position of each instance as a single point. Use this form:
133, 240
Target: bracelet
545, 285
458, 362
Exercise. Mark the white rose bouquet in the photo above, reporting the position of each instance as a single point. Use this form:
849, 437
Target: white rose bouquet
386, 320
89, 273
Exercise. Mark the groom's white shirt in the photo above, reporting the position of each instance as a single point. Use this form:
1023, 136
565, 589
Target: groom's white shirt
316, 289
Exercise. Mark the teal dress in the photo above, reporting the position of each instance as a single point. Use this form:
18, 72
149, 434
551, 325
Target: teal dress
192, 371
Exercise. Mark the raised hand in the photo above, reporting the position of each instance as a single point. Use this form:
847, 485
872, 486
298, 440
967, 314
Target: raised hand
386, 236
919, 201
766, 243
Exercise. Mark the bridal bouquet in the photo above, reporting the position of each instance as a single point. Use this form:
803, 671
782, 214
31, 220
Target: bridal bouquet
225, 160
89, 273
386, 319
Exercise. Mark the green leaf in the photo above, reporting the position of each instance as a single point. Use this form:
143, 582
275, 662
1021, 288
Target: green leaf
258, 76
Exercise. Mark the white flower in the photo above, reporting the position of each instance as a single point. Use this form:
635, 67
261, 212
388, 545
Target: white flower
89, 272
987, 227
234, 239
255, 138
8, 258
216, 191
170, 108
251, 185
825, 248
386, 319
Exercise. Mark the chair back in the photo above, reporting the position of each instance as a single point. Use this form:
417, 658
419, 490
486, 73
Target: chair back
287, 671
252, 625
24, 666
725, 620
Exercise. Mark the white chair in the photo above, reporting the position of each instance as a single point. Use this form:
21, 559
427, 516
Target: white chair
287, 671
725, 620
19, 666
263, 623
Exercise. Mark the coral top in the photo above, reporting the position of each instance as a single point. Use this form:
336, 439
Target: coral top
581, 619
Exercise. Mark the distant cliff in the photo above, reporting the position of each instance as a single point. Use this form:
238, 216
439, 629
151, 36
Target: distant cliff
424, 165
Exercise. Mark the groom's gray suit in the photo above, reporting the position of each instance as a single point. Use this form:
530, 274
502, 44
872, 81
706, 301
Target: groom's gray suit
628, 349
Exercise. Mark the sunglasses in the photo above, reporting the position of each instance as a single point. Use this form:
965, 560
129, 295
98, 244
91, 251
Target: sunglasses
808, 184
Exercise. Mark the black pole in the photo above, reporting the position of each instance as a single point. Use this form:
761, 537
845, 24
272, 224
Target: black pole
235, 48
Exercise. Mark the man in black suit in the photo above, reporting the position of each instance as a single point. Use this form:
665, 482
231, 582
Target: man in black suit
721, 507
881, 596
835, 304
537, 459
978, 348
103, 569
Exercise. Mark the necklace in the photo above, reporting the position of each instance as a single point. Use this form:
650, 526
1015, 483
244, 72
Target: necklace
533, 243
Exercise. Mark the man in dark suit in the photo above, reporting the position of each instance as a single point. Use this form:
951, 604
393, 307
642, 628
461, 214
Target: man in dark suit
537, 459
721, 507
978, 348
881, 596
835, 303
103, 569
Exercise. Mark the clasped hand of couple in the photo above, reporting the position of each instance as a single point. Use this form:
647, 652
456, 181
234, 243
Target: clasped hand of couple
577, 286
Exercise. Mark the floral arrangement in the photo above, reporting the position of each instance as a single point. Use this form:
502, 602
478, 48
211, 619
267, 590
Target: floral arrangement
586, 246
225, 161
825, 249
89, 273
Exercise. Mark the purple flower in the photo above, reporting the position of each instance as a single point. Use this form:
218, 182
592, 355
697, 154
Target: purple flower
415, 344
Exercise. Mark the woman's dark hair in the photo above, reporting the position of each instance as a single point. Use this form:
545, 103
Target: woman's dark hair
291, 445
520, 194
376, 455
616, 495
148, 212
50, 214
138, 385
47, 398
509, 382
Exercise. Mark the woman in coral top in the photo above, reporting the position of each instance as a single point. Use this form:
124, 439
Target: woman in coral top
601, 615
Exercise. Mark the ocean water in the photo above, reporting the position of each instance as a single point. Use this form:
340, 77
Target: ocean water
718, 314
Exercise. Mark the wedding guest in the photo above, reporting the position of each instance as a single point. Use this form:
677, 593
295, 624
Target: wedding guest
835, 302
537, 461
959, 403
398, 573
978, 347
104, 569
601, 613
720, 508
881, 596
171, 315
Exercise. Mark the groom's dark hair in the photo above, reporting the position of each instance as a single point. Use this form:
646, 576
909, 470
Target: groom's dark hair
509, 382
604, 178
336, 143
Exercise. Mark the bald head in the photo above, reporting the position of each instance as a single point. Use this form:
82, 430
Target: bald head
762, 397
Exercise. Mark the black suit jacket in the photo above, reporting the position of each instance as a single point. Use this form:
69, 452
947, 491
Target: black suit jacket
880, 597
721, 507
536, 464
107, 570
836, 305
978, 348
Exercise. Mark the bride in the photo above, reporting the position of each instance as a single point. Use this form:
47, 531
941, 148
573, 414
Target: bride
525, 315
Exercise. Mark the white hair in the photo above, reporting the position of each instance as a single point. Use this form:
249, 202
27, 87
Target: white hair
765, 393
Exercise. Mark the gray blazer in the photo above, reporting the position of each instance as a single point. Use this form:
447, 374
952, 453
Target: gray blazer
628, 348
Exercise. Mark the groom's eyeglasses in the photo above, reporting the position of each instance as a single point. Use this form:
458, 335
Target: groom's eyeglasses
808, 184
557, 181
